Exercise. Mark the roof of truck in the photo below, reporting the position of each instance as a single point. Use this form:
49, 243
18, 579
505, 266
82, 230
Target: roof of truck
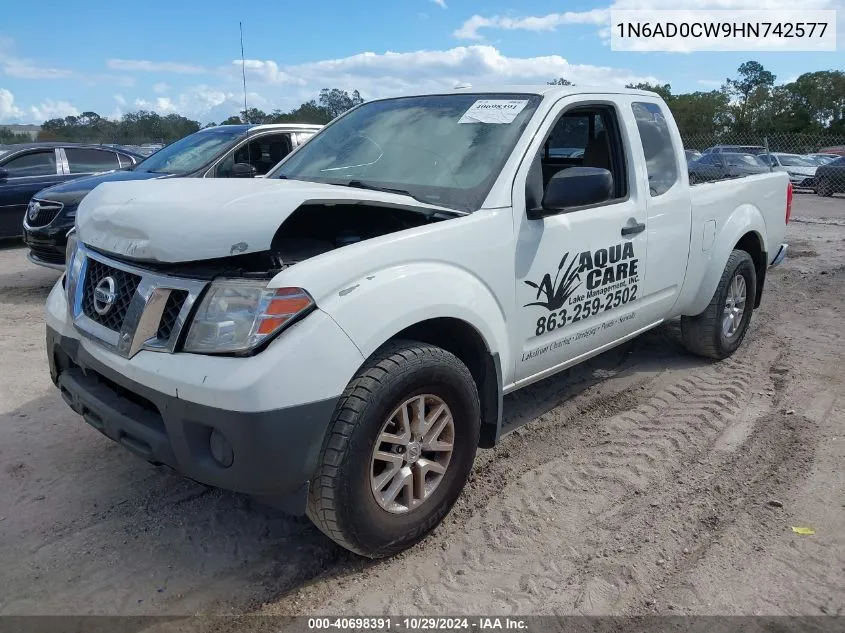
543, 89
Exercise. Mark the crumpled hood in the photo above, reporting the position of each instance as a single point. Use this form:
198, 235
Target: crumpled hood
192, 219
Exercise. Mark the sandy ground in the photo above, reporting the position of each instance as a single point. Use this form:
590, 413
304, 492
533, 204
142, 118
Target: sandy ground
645, 481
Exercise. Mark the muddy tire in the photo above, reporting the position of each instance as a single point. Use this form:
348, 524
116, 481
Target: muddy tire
398, 451
719, 330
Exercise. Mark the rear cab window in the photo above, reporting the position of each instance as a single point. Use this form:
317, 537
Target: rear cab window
656, 138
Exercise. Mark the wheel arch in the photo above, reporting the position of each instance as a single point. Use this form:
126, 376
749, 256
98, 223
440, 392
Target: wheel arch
462, 339
752, 243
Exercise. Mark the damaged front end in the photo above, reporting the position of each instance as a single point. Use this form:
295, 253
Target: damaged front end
221, 305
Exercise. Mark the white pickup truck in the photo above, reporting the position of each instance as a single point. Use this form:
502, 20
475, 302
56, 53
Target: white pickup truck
339, 335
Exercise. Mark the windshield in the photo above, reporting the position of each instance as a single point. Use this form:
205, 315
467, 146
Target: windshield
794, 161
190, 153
445, 150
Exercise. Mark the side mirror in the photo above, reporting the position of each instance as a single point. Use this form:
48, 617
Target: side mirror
574, 187
243, 170
4, 173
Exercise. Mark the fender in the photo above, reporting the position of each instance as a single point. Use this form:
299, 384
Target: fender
405, 295
702, 283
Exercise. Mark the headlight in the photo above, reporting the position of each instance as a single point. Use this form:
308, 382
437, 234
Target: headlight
237, 315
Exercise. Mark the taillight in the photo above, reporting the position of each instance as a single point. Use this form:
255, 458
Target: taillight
788, 201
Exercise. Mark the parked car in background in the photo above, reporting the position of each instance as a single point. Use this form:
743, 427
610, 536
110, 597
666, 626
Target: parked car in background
830, 178
225, 151
734, 149
821, 159
802, 172
721, 165
839, 150
692, 154
27, 168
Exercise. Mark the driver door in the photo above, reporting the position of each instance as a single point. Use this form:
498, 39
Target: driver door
579, 273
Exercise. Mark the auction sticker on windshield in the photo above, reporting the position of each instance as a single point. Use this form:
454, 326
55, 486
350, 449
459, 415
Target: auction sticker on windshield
493, 111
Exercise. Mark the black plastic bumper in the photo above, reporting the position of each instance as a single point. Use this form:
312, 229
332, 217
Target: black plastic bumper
274, 452
47, 244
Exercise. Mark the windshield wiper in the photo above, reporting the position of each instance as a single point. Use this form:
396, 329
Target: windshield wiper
360, 184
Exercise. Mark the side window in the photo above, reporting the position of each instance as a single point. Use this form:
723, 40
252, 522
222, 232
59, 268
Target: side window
85, 161
263, 153
301, 137
589, 137
41, 163
661, 161
125, 161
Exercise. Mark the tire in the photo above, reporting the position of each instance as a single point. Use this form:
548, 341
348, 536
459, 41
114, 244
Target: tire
704, 334
824, 189
342, 500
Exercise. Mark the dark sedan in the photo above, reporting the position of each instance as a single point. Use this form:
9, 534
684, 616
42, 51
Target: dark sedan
718, 166
27, 168
225, 151
830, 178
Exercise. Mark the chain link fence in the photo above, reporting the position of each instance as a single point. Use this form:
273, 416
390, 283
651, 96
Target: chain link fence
815, 162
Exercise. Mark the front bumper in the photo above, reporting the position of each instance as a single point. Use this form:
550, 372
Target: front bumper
273, 452
805, 182
47, 244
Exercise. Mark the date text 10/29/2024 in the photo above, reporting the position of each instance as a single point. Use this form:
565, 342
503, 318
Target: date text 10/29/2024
418, 623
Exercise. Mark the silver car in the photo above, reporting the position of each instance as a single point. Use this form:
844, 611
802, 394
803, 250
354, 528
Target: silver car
801, 170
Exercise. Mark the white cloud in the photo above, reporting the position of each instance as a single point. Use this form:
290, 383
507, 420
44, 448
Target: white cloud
49, 109
469, 29
160, 87
143, 65
204, 103
8, 110
27, 69
391, 73
440, 3
52, 110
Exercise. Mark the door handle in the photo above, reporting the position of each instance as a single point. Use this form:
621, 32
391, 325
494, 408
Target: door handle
633, 229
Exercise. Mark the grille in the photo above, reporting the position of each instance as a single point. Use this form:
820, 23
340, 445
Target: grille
125, 285
171, 312
47, 212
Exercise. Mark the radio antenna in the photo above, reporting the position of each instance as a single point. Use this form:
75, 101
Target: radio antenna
243, 69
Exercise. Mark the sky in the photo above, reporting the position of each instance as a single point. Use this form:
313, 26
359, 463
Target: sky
183, 56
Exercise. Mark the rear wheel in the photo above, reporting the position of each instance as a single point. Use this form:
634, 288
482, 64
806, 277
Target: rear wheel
399, 450
719, 330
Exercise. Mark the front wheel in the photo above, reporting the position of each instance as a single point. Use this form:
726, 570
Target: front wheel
719, 330
398, 451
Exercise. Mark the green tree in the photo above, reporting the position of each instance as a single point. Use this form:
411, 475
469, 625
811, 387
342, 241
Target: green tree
560, 81
7, 137
337, 101
665, 91
750, 92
